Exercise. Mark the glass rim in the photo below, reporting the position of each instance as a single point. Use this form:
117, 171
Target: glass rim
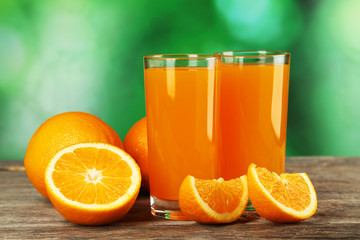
257, 53
181, 56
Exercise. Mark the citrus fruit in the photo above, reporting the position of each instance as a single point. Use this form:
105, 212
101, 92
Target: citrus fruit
61, 131
92, 183
135, 143
284, 198
213, 201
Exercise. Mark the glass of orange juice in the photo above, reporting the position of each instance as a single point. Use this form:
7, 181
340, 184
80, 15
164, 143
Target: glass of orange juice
253, 110
180, 98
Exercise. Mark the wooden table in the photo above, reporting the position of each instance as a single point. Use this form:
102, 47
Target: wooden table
25, 214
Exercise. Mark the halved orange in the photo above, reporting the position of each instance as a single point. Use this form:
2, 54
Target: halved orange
284, 198
92, 183
213, 201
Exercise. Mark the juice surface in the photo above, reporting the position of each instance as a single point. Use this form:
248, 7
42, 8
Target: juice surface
180, 115
253, 115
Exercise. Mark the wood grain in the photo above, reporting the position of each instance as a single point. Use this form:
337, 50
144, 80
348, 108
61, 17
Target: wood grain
25, 214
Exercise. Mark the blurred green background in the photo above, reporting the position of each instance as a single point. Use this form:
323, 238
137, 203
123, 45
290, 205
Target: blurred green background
66, 55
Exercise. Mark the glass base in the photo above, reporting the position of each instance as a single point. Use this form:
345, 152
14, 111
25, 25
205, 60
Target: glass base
249, 206
171, 210
166, 209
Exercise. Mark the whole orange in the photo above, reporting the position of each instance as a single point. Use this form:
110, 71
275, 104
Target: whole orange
59, 132
135, 144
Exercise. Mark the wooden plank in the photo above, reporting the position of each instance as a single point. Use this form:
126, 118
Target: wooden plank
11, 165
25, 214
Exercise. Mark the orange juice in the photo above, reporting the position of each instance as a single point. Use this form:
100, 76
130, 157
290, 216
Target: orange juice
180, 115
253, 113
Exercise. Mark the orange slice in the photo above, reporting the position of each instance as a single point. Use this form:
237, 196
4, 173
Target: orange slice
92, 183
213, 201
284, 198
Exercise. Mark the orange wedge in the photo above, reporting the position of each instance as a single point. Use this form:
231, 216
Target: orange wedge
213, 201
92, 183
284, 198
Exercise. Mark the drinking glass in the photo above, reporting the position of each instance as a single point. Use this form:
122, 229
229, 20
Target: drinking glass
253, 104
180, 109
